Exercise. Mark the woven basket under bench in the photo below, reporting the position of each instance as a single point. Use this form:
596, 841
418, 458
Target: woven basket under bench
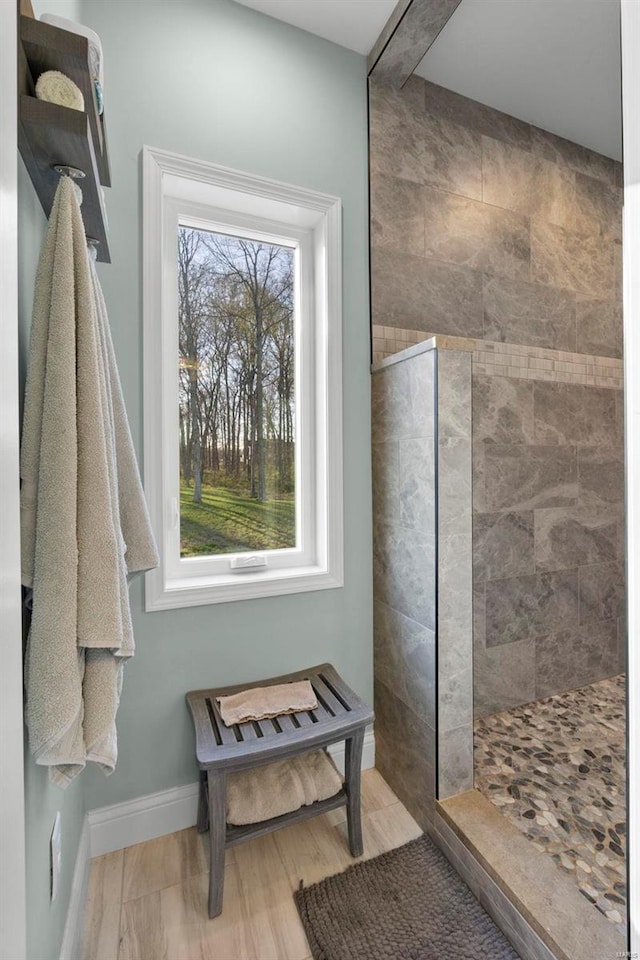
340, 715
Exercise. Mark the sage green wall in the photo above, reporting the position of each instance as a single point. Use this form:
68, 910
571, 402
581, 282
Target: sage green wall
45, 920
217, 81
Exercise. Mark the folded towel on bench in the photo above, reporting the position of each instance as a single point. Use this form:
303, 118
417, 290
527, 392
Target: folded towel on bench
260, 703
280, 787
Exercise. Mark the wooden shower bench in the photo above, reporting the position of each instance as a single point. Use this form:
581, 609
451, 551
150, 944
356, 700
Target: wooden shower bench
340, 715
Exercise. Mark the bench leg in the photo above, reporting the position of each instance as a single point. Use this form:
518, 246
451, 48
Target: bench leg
203, 804
217, 786
353, 765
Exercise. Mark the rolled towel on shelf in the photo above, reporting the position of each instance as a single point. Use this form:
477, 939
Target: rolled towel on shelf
56, 87
95, 50
261, 703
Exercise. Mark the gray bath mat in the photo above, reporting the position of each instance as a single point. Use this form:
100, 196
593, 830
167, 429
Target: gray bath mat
407, 904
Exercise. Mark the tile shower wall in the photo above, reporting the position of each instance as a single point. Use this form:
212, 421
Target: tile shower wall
421, 411
548, 538
454, 628
486, 228
404, 583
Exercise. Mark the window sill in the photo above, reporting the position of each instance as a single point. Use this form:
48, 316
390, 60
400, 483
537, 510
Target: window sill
166, 594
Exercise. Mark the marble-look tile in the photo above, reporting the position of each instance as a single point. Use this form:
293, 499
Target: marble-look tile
407, 143
416, 484
601, 474
455, 699
602, 592
567, 537
503, 545
528, 184
474, 234
623, 643
572, 658
397, 214
406, 46
386, 99
502, 410
531, 606
478, 478
395, 133
479, 614
522, 477
454, 393
454, 487
427, 295
455, 602
388, 663
404, 571
598, 208
385, 476
529, 313
571, 261
455, 610
571, 413
451, 157
565, 152
455, 761
447, 105
503, 676
617, 271
599, 327
404, 660
402, 400
405, 753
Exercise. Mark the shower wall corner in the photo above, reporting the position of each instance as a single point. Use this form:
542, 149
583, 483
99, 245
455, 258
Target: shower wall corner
421, 448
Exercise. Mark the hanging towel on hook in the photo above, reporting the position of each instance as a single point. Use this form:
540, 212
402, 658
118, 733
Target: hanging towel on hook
85, 525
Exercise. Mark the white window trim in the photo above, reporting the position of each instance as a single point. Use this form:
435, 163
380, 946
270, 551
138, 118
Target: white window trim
315, 218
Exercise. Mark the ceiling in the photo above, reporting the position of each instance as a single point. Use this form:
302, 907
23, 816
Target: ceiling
354, 24
553, 63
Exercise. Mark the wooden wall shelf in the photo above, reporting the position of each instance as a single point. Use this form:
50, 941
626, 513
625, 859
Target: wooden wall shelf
49, 48
50, 134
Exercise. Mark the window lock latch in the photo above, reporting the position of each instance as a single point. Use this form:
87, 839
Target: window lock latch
250, 562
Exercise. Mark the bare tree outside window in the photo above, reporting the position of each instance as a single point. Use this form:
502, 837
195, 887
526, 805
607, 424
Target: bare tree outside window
236, 394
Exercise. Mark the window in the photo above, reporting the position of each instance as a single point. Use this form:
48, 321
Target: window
236, 346
242, 327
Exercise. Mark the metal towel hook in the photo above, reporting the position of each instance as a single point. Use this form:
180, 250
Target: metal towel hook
66, 171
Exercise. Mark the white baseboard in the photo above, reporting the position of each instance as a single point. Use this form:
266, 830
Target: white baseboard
134, 821
71, 947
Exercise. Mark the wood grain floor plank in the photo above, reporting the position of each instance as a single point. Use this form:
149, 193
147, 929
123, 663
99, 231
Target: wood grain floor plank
104, 900
163, 862
311, 851
376, 794
385, 829
141, 930
271, 914
188, 932
163, 887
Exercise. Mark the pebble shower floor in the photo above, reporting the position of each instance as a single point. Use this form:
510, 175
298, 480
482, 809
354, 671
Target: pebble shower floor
556, 769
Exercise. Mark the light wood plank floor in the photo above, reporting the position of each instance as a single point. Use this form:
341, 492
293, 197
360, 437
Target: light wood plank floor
149, 902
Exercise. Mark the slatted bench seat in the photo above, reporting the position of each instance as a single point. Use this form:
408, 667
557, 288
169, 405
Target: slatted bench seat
220, 750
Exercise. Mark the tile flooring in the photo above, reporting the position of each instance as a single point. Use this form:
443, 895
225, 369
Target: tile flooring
556, 769
150, 901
